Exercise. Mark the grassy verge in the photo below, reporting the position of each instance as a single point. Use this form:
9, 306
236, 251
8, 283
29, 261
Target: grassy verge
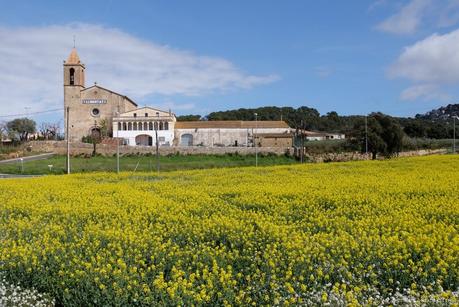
140, 163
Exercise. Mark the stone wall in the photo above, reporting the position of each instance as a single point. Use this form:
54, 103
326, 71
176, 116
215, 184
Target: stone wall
78, 148
354, 156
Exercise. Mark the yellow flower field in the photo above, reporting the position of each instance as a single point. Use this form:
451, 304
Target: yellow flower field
372, 232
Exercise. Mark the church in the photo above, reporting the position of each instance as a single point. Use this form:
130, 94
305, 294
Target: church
100, 112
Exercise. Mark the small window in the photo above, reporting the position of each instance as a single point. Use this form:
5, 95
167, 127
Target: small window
146, 114
157, 114
135, 114
72, 76
162, 139
95, 112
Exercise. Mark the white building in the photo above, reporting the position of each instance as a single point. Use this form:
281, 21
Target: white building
139, 127
229, 132
322, 136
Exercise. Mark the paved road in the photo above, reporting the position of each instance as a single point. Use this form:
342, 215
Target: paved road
28, 158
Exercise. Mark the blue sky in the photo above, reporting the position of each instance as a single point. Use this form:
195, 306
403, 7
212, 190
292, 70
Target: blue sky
353, 57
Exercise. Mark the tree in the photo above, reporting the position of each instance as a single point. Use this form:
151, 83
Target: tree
21, 128
191, 117
384, 135
103, 124
49, 131
415, 128
3, 131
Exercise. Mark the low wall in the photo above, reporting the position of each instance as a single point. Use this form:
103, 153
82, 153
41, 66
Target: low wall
78, 148
353, 156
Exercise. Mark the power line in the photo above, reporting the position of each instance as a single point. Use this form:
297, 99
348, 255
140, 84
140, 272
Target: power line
32, 113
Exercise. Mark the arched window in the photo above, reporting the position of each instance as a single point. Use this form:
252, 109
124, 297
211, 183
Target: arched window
119, 126
135, 126
124, 126
166, 126
150, 126
145, 126
72, 76
129, 126
156, 125
160, 125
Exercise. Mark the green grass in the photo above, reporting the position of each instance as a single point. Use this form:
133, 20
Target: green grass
143, 163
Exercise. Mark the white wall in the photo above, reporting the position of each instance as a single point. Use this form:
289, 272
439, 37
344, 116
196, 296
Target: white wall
130, 135
223, 136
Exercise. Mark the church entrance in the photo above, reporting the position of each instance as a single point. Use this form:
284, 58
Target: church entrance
144, 140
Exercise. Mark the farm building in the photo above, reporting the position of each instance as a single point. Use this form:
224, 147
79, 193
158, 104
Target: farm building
322, 136
232, 133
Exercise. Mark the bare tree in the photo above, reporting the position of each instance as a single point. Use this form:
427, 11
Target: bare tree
49, 131
3, 130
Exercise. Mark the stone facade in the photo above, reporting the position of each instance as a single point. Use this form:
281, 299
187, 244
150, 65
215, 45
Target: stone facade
274, 140
90, 110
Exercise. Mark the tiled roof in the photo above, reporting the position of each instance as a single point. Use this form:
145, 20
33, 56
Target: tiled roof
73, 57
232, 124
273, 135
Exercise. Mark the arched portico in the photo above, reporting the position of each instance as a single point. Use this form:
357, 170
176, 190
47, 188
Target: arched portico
144, 140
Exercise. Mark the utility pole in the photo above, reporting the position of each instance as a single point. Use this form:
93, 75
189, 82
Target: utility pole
302, 141
68, 140
255, 140
366, 136
454, 134
157, 148
118, 145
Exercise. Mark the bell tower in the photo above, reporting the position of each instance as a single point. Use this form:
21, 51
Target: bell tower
73, 85
73, 70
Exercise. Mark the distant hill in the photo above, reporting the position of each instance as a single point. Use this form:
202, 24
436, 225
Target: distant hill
442, 113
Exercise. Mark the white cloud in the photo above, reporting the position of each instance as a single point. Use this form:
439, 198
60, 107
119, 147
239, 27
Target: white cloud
429, 64
31, 66
424, 92
418, 14
434, 59
407, 19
